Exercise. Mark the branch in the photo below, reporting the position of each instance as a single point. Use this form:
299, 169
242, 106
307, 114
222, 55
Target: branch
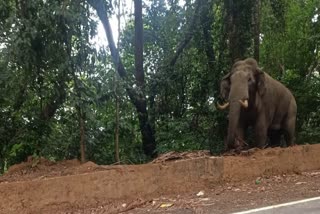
102, 13
188, 36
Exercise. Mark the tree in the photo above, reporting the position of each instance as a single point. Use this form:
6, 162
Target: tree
256, 29
40, 48
137, 95
57, 88
239, 27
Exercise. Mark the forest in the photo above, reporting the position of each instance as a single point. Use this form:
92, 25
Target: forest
65, 94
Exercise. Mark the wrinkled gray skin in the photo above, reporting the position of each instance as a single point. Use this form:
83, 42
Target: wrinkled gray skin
271, 106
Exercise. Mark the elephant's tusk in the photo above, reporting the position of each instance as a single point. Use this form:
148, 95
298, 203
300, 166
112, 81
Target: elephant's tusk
224, 106
244, 103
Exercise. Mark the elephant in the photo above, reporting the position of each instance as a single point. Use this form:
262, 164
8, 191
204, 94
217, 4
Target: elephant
256, 99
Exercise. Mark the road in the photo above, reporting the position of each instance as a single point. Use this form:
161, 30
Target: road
285, 194
306, 206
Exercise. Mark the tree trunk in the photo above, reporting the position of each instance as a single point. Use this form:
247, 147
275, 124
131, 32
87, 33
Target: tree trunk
116, 130
116, 141
138, 43
81, 121
82, 136
148, 140
206, 22
231, 29
239, 27
115, 81
256, 25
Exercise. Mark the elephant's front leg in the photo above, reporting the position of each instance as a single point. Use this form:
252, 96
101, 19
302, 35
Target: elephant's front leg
240, 135
260, 131
240, 131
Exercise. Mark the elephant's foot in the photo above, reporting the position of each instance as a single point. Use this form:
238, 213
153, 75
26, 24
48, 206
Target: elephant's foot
239, 142
230, 152
240, 145
236, 149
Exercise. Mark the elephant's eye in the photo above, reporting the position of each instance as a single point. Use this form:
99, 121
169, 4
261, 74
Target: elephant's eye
249, 80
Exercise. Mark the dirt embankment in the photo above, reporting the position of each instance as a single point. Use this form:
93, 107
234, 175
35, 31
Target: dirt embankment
41, 168
41, 186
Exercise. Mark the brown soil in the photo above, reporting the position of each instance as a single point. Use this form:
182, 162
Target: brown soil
234, 194
238, 196
171, 156
40, 168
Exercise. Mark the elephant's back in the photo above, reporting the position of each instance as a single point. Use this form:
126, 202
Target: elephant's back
278, 89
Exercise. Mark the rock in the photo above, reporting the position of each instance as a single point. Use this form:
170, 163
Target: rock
298, 183
201, 193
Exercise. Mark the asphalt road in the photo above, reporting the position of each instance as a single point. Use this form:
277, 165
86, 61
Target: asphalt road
306, 206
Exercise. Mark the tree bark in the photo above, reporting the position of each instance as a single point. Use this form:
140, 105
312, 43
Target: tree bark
206, 22
82, 135
145, 126
231, 31
256, 23
116, 130
115, 81
137, 95
239, 27
81, 120
138, 44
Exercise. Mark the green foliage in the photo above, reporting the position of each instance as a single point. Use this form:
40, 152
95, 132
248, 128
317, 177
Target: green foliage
290, 53
52, 75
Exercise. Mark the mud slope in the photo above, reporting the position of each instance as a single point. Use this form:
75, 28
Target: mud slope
89, 185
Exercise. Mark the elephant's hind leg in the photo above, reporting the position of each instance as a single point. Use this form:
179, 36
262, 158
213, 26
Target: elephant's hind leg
290, 125
260, 130
275, 137
289, 131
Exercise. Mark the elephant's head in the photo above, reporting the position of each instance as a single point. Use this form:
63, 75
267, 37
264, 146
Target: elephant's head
239, 88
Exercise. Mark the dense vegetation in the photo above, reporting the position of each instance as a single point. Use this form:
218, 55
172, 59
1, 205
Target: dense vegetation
152, 91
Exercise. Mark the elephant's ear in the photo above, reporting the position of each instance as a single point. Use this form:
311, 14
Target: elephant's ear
225, 86
261, 77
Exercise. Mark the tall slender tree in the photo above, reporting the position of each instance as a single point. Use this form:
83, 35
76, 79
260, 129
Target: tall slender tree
238, 23
136, 94
256, 26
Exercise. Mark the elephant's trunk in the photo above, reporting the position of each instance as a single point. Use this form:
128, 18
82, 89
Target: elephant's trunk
238, 99
234, 113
